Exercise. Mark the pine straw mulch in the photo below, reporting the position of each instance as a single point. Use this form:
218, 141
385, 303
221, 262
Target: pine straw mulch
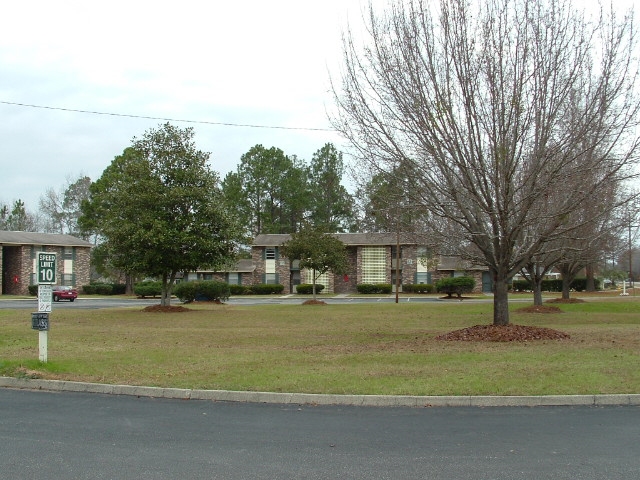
314, 302
513, 333
506, 333
166, 309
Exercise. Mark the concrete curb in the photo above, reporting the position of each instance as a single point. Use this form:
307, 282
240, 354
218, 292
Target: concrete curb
321, 399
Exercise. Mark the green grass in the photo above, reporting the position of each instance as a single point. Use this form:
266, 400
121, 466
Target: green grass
350, 349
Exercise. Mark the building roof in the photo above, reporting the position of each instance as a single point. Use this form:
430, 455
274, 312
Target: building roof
349, 239
35, 238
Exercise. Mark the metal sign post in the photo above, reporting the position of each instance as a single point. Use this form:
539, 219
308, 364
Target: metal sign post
46, 268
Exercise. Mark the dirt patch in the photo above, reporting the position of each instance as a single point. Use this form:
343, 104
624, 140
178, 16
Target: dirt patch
507, 333
539, 309
314, 302
166, 308
565, 300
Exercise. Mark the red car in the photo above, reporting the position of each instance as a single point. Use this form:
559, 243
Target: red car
64, 293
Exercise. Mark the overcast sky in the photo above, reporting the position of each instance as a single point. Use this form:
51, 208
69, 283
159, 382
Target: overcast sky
251, 62
242, 62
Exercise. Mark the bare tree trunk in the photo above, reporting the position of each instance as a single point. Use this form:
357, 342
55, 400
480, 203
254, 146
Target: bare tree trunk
566, 288
537, 293
500, 302
591, 282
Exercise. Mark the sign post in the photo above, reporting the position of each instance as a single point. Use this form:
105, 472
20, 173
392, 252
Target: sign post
46, 267
40, 322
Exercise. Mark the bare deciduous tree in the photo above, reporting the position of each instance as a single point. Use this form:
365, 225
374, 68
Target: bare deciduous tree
491, 107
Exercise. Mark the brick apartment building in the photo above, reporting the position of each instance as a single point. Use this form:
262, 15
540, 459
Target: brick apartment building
18, 258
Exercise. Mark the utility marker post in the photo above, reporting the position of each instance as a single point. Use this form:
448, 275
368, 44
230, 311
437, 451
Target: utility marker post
46, 267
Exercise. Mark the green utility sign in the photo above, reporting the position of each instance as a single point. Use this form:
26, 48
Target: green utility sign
46, 267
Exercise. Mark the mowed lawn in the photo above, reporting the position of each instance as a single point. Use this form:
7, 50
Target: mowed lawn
343, 349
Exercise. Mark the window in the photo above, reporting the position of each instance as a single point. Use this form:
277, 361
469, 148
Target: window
68, 253
423, 277
233, 278
270, 253
374, 265
271, 278
320, 280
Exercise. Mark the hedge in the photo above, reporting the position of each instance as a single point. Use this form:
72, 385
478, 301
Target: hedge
147, 289
98, 289
457, 285
239, 289
266, 288
307, 288
368, 288
418, 288
206, 290
553, 285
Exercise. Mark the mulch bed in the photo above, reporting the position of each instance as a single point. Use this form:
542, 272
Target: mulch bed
166, 308
314, 302
507, 333
539, 309
565, 300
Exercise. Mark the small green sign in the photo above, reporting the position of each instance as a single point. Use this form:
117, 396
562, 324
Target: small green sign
46, 267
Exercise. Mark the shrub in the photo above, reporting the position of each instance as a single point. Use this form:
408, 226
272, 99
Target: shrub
186, 291
207, 290
239, 290
266, 288
104, 289
521, 286
118, 289
457, 285
307, 288
147, 289
213, 291
418, 288
33, 289
368, 288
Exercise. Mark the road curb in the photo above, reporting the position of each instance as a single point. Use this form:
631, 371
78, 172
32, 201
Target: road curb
322, 399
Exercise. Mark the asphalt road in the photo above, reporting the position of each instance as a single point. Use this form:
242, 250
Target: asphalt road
114, 302
46, 435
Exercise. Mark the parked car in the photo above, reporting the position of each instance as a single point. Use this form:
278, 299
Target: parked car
64, 293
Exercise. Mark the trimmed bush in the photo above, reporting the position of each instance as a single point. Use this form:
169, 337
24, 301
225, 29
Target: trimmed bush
213, 291
521, 286
266, 288
239, 290
307, 288
379, 288
418, 288
104, 289
147, 289
554, 285
207, 290
457, 285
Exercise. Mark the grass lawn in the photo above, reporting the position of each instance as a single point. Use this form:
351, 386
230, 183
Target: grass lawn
345, 349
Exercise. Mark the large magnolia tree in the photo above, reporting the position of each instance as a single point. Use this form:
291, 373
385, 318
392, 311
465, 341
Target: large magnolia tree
489, 109
159, 209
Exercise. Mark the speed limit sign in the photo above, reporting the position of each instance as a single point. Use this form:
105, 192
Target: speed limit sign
46, 268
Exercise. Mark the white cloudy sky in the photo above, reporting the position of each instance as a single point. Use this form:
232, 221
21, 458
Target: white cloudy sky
252, 62
241, 62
